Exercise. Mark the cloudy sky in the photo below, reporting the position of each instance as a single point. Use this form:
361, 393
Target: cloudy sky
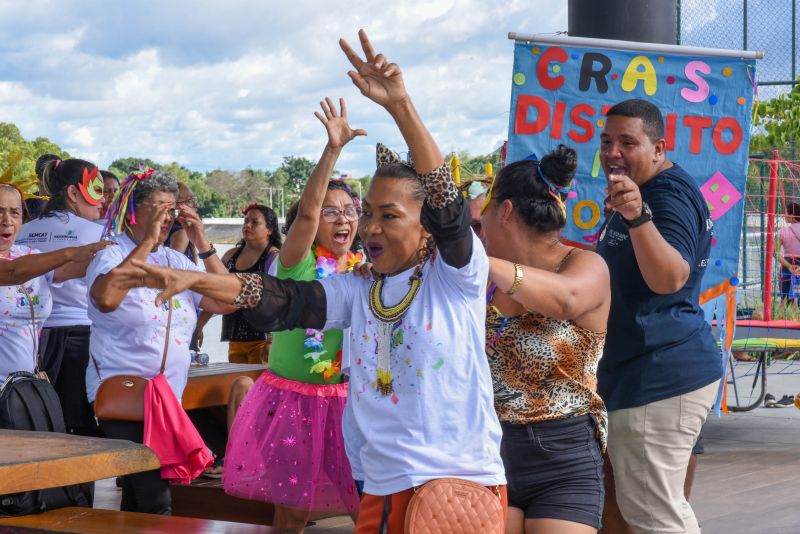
235, 83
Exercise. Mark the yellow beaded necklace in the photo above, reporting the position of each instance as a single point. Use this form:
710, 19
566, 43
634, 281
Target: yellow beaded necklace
389, 318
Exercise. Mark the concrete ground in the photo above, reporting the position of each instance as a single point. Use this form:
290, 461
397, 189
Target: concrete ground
746, 481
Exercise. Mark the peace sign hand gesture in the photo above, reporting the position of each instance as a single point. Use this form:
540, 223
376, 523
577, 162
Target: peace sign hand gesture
376, 78
339, 131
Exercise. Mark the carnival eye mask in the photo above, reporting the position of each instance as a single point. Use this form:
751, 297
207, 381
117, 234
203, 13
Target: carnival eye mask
91, 187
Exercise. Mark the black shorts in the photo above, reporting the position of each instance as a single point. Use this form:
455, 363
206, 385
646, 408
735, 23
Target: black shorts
555, 470
699, 446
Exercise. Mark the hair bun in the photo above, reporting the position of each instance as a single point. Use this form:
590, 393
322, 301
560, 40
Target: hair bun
560, 165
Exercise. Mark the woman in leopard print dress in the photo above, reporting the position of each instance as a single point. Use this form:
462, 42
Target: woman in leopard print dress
545, 328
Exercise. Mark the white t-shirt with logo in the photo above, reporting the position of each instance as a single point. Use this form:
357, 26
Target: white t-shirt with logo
440, 421
18, 339
130, 339
63, 229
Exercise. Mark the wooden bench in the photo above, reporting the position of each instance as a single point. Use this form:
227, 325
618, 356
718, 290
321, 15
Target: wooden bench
97, 521
210, 385
206, 499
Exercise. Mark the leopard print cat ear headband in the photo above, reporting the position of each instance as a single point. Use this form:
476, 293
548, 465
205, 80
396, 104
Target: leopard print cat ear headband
385, 156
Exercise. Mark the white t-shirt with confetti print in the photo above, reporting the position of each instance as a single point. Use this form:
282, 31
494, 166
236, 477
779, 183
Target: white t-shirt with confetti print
440, 421
18, 340
130, 339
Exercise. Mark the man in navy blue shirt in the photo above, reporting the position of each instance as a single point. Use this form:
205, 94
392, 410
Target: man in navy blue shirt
661, 367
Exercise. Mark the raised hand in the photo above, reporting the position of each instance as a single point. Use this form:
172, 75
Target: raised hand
339, 131
365, 271
624, 196
158, 217
192, 224
375, 77
79, 260
170, 281
85, 253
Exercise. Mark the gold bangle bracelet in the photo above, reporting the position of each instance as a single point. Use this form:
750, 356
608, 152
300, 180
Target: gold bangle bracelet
518, 275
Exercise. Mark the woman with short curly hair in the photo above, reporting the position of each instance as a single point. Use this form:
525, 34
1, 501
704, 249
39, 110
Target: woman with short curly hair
128, 329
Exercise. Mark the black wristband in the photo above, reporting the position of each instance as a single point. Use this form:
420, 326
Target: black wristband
645, 217
207, 254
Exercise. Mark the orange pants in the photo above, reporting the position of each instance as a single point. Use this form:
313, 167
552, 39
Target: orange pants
370, 512
246, 351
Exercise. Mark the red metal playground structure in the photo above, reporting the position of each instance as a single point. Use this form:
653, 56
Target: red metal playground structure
757, 316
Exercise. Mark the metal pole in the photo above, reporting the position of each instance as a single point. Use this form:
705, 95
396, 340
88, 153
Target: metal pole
794, 39
794, 75
772, 199
678, 22
778, 82
635, 46
744, 26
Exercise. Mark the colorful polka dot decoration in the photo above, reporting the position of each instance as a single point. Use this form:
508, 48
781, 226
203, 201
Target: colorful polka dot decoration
519, 78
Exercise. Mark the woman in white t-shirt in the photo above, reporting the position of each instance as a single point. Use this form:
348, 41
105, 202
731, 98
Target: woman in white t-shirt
25, 279
128, 328
68, 219
420, 401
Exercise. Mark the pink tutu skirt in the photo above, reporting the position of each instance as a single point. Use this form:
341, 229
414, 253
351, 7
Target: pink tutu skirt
286, 447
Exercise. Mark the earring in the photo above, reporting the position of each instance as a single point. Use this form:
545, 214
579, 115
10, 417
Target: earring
424, 254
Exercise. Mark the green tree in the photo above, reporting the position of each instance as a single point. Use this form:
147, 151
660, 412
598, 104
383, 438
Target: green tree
779, 118
297, 170
12, 144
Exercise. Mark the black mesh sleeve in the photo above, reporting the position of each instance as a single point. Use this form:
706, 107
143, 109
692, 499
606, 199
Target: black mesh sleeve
451, 229
288, 304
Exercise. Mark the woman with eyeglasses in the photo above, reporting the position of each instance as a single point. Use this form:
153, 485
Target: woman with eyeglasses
256, 252
129, 330
286, 445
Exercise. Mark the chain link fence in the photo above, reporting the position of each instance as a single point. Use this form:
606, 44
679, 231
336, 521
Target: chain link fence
766, 25
771, 27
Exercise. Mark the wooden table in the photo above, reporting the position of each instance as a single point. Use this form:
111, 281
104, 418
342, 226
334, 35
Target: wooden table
210, 385
39, 460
